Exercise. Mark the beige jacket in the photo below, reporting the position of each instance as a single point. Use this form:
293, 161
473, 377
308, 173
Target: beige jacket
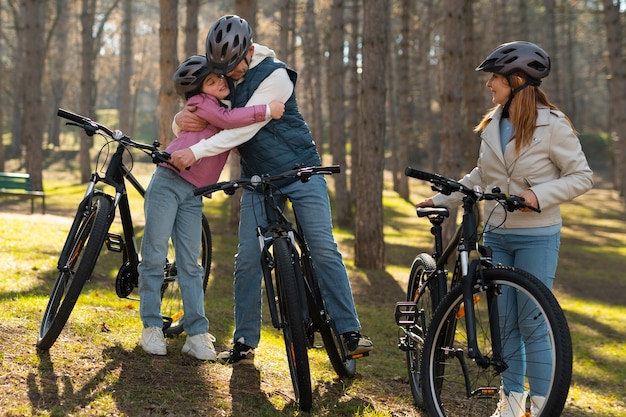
554, 167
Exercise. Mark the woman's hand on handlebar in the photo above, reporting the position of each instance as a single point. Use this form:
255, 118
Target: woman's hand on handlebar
188, 121
182, 158
426, 203
530, 199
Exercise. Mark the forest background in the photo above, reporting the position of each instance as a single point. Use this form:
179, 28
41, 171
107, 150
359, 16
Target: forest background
383, 84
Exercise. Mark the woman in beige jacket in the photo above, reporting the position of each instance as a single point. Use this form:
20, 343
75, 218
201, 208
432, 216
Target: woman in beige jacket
529, 148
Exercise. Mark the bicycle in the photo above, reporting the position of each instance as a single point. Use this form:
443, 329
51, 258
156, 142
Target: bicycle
452, 332
295, 302
90, 232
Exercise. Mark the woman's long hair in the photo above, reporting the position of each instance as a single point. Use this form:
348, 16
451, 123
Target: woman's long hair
522, 111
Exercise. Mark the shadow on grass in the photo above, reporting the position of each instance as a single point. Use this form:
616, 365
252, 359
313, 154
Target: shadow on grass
140, 385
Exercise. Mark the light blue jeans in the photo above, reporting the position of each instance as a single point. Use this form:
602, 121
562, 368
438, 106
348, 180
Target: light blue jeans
310, 202
525, 338
171, 209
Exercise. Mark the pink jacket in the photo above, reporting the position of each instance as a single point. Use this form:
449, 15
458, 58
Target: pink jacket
207, 170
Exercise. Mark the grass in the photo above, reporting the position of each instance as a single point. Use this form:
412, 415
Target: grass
97, 369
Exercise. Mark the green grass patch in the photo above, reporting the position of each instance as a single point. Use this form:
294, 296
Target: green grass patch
96, 367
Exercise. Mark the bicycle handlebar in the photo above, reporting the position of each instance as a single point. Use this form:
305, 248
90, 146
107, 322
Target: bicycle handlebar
447, 186
301, 173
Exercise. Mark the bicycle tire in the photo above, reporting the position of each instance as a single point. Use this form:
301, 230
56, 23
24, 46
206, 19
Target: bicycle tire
422, 268
324, 324
171, 297
84, 246
443, 380
287, 275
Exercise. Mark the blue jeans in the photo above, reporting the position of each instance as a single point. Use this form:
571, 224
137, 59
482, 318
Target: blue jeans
525, 338
171, 209
310, 202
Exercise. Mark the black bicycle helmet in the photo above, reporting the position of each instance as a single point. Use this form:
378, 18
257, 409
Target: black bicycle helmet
227, 43
190, 75
512, 57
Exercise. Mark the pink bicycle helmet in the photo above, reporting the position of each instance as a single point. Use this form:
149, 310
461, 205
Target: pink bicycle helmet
227, 43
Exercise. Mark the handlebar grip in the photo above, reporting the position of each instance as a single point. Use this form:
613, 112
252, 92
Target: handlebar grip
76, 118
334, 169
420, 175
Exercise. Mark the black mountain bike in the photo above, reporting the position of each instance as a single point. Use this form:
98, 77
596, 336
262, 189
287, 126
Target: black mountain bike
451, 329
294, 298
90, 231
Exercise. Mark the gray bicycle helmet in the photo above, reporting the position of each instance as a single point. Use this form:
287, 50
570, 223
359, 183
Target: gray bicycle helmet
512, 57
227, 43
190, 75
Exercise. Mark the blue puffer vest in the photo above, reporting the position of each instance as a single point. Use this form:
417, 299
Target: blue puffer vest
281, 143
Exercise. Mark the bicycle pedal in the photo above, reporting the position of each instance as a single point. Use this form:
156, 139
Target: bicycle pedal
406, 313
114, 242
358, 355
485, 392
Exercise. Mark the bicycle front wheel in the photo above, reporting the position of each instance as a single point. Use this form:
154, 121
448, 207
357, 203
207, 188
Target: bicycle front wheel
456, 384
288, 275
171, 297
322, 322
426, 296
80, 254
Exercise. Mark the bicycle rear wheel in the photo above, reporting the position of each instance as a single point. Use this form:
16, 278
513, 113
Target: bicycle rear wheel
456, 385
171, 297
288, 274
426, 302
78, 260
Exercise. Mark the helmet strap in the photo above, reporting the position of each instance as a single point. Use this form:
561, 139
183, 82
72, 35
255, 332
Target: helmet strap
505, 110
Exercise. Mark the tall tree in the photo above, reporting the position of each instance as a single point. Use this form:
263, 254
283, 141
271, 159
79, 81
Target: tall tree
58, 41
1, 97
168, 62
337, 112
246, 9
369, 167
126, 68
472, 105
191, 27
33, 70
87, 87
90, 45
452, 78
405, 100
617, 87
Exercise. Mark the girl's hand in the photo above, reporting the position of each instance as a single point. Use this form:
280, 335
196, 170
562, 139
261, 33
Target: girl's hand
277, 108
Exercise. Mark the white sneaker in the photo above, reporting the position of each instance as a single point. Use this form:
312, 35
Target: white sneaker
512, 406
536, 404
152, 341
201, 347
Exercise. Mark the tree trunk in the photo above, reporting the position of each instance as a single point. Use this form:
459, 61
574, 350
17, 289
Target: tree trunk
449, 161
168, 62
405, 101
617, 89
87, 87
33, 71
191, 28
126, 68
336, 110
353, 95
247, 10
369, 239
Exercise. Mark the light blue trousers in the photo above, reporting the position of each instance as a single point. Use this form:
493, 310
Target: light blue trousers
171, 209
310, 201
525, 338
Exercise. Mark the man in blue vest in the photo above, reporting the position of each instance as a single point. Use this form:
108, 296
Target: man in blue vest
270, 147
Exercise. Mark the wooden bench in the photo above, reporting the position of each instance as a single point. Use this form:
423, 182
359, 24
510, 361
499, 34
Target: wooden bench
18, 184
